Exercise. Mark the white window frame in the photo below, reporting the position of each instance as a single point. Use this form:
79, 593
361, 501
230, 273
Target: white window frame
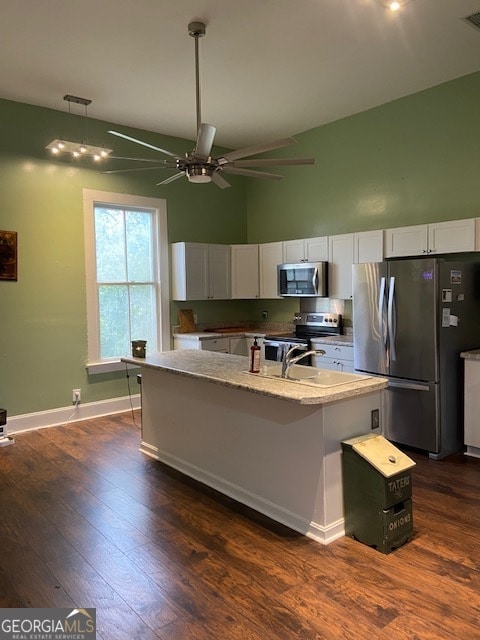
91, 199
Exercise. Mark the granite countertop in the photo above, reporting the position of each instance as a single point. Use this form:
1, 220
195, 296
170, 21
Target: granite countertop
208, 335
232, 371
471, 355
342, 341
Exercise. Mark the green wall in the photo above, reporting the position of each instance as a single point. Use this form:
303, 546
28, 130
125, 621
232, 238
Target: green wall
410, 161
43, 333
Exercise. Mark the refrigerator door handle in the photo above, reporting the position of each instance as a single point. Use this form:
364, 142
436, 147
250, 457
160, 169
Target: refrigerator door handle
409, 385
381, 300
391, 329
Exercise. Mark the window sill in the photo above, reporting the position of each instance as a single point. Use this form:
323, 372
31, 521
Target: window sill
108, 367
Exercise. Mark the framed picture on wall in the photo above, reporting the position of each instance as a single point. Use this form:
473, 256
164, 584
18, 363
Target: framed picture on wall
8, 255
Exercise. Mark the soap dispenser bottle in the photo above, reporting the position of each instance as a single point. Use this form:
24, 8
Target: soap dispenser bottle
255, 357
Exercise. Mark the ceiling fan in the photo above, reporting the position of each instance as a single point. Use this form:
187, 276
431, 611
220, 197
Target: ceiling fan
198, 165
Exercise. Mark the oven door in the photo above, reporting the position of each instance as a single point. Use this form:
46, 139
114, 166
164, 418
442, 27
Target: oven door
276, 349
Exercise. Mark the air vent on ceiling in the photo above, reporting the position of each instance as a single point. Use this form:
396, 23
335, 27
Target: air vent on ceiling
473, 20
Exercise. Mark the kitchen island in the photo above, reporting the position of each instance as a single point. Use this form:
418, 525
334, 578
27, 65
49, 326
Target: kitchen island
271, 444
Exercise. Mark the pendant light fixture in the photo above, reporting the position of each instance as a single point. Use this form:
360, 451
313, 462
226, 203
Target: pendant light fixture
78, 149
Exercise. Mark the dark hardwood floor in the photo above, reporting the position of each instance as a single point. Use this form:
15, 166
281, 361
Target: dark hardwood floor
86, 520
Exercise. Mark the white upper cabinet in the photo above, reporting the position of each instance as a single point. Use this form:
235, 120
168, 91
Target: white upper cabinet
293, 251
200, 271
306, 250
244, 271
441, 237
189, 271
270, 255
316, 249
219, 262
452, 236
340, 266
368, 246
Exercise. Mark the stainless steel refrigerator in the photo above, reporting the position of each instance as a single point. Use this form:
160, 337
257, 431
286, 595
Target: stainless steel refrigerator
411, 320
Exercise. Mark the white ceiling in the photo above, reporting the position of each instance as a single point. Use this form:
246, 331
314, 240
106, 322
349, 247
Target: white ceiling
269, 68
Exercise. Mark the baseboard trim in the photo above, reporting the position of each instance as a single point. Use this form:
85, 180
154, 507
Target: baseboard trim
312, 530
66, 415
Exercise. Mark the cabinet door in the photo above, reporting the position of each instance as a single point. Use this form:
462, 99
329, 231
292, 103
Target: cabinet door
180, 342
472, 403
293, 251
406, 241
238, 346
316, 249
452, 236
219, 264
340, 266
190, 279
269, 256
368, 246
221, 345
244, 271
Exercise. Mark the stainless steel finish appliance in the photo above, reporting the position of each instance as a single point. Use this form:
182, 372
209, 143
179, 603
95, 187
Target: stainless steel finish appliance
304, 279
307, 326
411, 320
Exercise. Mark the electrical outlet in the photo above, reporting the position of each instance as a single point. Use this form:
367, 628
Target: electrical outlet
265, 315
375, 419
76, 396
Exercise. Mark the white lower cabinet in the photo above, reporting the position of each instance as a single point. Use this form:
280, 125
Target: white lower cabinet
337, 358
472, 407
206, 344
237, 345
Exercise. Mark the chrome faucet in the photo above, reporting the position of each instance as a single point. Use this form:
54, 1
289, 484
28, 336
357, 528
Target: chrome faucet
289, 358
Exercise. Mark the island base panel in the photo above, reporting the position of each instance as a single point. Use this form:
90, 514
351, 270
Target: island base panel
280, 458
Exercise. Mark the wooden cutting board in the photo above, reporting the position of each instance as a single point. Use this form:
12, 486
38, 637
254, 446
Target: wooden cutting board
186, 321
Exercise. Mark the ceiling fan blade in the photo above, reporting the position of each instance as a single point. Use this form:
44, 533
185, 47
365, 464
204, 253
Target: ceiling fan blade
175, 176
161, 166
145, 144
249, 172
155, 160
256, 149
220, 181
206, 134
271, 162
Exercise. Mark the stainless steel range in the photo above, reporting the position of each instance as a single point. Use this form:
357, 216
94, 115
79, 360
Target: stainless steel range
308, 325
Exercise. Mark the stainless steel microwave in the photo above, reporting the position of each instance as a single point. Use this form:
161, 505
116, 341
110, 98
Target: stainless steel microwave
304, 279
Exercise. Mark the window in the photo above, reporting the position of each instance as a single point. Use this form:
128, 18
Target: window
127, 276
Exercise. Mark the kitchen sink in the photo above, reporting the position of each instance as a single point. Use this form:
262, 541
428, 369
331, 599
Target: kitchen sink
311, 376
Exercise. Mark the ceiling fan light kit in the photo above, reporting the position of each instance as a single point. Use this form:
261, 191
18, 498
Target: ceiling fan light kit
198, 165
